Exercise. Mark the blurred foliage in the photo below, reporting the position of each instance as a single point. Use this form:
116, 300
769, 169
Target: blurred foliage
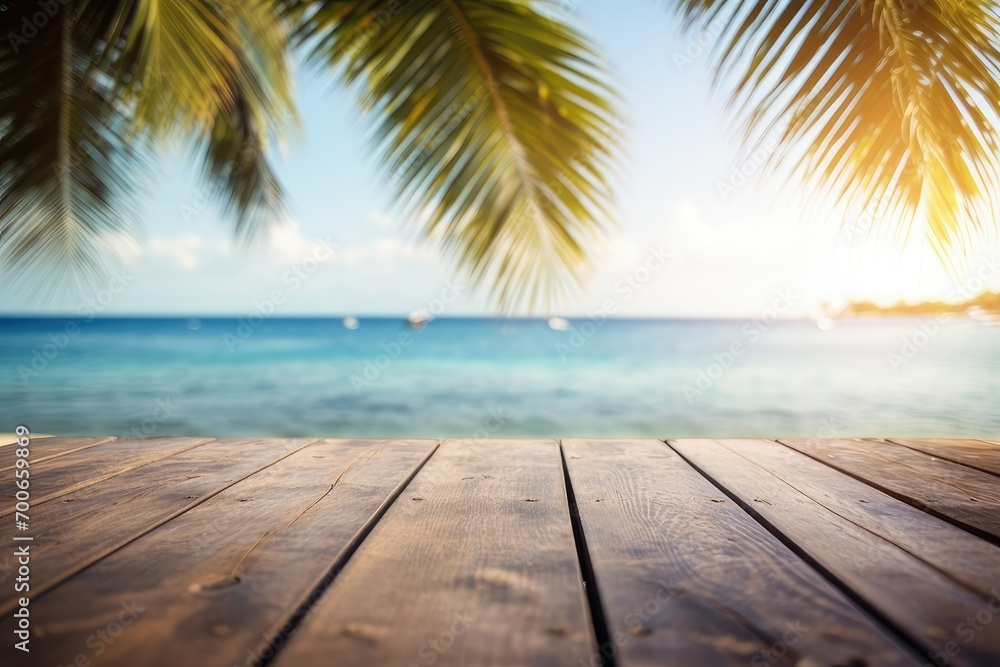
495, 120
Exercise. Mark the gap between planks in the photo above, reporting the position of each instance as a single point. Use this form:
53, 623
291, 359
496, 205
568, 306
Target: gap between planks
921, 586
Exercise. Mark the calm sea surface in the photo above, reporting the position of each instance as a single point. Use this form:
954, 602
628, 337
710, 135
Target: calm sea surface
502, 378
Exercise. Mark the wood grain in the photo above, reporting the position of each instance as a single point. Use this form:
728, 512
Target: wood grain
219, 583
973, 562
688, 578
475, 564
976, 454
54, 477
968, 498
93, 522
925, 605
43, 449
730, 552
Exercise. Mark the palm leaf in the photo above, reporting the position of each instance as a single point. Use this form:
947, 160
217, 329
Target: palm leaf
888, 104
494, 123
80, 99
69, 167
215, 74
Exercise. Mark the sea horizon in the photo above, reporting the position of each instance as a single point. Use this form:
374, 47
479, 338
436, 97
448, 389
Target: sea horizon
488, 377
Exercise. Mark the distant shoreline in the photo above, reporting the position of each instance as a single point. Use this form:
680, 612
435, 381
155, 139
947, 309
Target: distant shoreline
984, 305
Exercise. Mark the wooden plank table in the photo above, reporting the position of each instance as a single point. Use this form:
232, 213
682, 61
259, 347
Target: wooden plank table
412, 553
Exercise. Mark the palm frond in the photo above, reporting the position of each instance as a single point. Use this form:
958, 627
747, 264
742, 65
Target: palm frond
888, 103
495, 124
82, 95
216, 74
69, 165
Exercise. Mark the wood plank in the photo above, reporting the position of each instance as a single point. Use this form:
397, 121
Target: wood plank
44, 449
976, 454
925, 605
475, 564
95, 521
686, 577
973, 562
7, 439
216, 580
56, 477
968, 498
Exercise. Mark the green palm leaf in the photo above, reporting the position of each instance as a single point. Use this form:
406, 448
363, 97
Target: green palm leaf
215, 74
68, 167
494, 123
884, 103
83, 94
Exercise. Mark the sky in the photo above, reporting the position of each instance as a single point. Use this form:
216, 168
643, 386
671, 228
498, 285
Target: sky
682, 245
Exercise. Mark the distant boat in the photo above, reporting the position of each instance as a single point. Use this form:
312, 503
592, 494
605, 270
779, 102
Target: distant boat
351, 323
558, 324
417, 320
983, 315
825, 324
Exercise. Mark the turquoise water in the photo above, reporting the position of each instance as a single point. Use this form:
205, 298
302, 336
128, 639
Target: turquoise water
502, 378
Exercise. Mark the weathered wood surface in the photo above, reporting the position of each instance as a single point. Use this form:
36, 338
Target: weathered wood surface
924, 604
688, 578
977, 454
271, 537
969, 498
57, 476
306, 553
43, 449
89, 524
475, 564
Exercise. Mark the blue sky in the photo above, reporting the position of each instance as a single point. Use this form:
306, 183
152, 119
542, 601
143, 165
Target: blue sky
728, 257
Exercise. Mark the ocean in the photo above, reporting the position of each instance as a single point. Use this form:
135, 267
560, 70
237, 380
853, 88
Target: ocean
500, 378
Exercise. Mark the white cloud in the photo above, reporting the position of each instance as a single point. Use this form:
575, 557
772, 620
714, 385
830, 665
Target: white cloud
122, 245
287, 245
184, 250
381, 220
386, 250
